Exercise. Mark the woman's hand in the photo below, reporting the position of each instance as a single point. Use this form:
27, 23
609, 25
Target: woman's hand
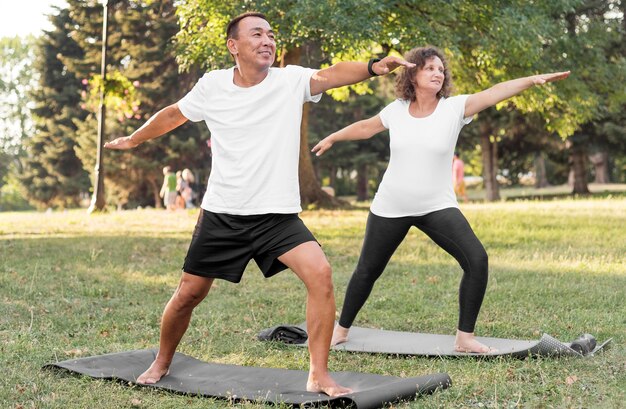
541, 79
322, 146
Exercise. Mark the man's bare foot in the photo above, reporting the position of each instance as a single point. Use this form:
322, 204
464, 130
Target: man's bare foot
466, 342
153, 374
326, 384
340, 335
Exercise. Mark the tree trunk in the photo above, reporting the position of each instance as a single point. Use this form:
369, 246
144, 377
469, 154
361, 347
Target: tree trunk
578, 174
490, 161
332, 177
362, 182
156, 189
600, 162
541, 178
311, 192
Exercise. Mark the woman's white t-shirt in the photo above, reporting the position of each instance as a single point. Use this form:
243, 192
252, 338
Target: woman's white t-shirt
418, 179
255, 139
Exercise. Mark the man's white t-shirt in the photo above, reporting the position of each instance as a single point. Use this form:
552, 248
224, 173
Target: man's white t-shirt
255, 139
418, 179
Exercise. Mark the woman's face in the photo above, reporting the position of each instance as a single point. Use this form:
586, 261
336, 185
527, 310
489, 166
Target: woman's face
431, 76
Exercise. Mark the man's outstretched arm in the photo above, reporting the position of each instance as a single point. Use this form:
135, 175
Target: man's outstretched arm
160, 123
348, 72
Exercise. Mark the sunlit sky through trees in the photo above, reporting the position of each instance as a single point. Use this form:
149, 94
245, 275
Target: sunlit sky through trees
25, 17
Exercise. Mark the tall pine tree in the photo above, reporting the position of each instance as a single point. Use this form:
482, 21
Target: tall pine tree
53, 175
141, 52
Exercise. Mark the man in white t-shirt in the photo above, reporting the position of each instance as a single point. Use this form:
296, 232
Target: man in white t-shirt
250, 209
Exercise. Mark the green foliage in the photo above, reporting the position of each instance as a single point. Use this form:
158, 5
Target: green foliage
11, 194
53, 175
340, 27
120, 95
16, 81
142, 78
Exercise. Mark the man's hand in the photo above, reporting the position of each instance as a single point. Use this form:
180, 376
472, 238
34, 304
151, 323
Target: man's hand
390, 63
159, 124
124, 142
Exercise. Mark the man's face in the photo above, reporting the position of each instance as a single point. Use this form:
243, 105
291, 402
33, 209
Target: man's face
255, 44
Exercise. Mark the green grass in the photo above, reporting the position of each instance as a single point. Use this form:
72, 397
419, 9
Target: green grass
605, 190
75, 285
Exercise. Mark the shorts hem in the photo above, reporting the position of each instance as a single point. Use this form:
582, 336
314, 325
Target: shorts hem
232, 279
278, 265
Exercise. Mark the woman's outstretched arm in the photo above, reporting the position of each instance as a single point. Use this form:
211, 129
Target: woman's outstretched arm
359, 130
504, 90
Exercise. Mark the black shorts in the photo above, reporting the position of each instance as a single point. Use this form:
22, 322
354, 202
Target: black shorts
223, 244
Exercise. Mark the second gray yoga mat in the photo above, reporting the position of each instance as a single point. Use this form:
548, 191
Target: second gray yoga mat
413, 343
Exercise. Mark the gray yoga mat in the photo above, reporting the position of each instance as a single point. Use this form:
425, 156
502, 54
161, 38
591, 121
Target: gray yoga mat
245, 383
412, 343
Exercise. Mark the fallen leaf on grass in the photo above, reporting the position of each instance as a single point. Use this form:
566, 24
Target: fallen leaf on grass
75, 352
432, 279
571, 379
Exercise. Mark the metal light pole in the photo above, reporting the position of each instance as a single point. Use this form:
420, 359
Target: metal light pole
97, 200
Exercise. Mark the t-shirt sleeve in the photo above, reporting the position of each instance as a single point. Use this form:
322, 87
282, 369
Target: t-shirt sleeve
302, 79
193, 105
385, 114
458, 105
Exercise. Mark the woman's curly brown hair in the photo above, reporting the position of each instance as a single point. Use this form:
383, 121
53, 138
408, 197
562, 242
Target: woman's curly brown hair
405, 88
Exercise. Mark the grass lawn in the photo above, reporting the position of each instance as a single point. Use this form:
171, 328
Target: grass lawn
609, 190
74, 285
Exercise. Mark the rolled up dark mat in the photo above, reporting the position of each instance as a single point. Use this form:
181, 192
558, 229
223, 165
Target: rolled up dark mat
289, 334
584, 344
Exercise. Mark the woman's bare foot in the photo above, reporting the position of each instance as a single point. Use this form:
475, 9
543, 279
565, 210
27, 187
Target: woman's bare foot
340, 335
466, 342
325, 384
153, 374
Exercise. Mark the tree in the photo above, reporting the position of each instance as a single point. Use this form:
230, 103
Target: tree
591, 45
143, 78
53, 175
608, 133
16, 82
582, 36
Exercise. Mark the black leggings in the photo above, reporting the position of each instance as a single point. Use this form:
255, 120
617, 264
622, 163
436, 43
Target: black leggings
449, 229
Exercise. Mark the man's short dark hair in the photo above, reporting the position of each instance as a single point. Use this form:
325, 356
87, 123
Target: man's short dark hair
232, 29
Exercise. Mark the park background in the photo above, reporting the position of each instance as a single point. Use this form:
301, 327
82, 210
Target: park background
548, 202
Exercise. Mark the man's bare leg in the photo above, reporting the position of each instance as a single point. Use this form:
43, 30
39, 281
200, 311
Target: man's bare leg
309, 263
191, 290
340, 335
466, 342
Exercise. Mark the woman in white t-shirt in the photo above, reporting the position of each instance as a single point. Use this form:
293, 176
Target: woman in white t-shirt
416, 190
